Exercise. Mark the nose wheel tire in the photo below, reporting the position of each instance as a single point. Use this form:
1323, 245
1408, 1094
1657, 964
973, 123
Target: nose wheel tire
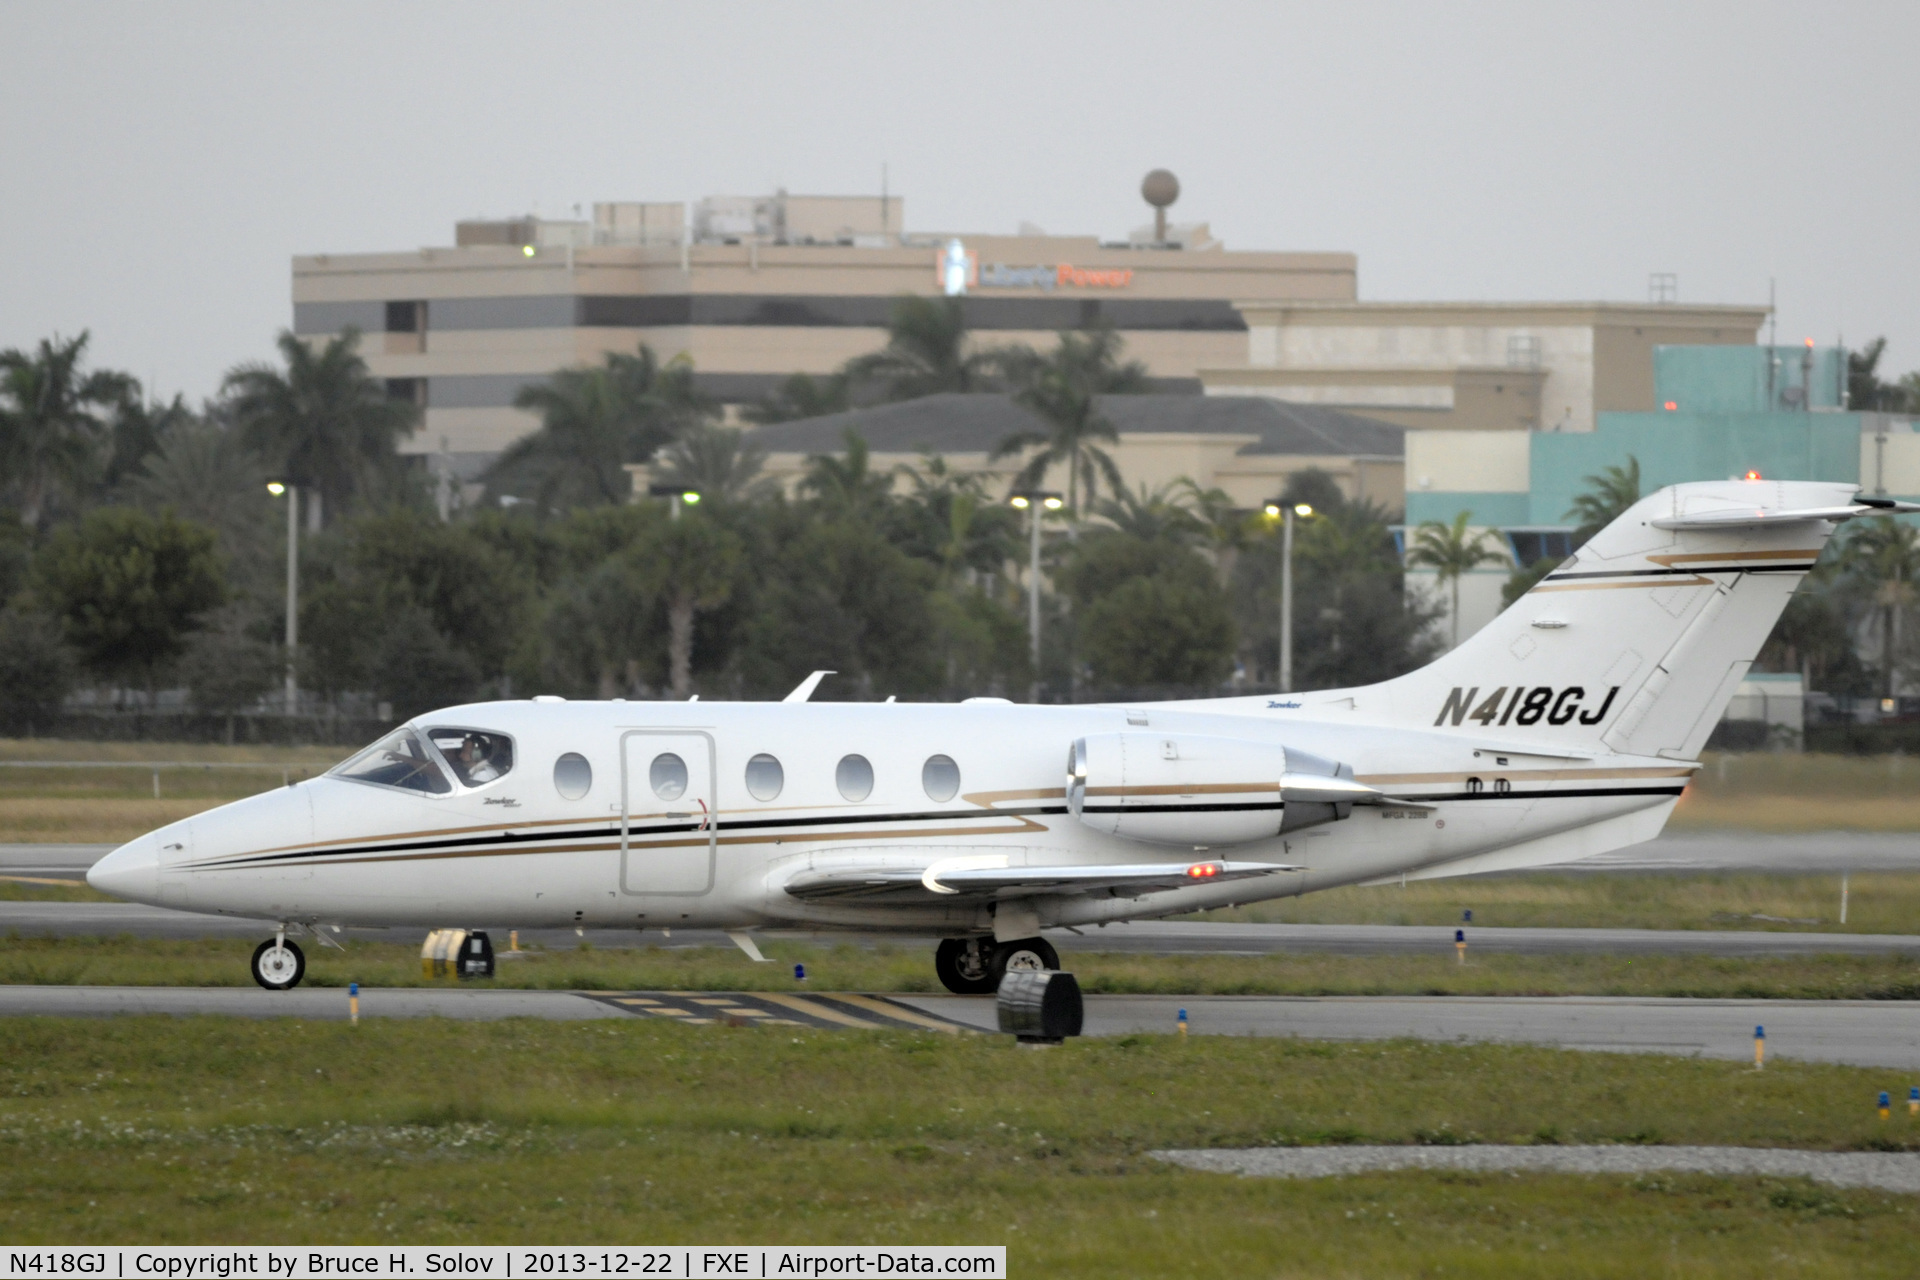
278, 965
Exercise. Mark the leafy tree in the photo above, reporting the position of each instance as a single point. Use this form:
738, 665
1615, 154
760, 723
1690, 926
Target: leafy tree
836, 594
1353, 622
228, 665
804, 396
1868, 393
949, 520
202, 466
1450, 552
1063, 387
719, 462
926, 353
1614, 490
53, 421
36, 670
324, 421
128, 587
1525, 578
382, 567
1882, 560
1812, 638
593, 422
1148, 610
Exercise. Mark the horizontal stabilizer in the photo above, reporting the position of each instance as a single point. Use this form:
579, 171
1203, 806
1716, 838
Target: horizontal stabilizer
1757, 518
962, 876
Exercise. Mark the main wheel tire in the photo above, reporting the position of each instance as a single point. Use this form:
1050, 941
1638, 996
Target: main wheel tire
278, 966
1022, 954
965, 966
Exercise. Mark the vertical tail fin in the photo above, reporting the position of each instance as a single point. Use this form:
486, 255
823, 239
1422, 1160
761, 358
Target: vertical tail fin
1635, 645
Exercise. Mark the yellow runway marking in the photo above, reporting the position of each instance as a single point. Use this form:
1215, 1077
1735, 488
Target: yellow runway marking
813, 1009
900, 1012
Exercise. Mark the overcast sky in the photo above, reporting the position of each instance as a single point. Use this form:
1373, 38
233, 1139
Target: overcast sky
163, 162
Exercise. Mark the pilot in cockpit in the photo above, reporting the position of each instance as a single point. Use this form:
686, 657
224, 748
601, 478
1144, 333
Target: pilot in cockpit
474, 759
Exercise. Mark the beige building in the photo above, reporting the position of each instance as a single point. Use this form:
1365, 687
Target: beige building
1246, 447
752, 289
1469, 365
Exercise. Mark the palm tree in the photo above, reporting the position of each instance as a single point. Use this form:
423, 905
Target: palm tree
1449, 552
1228, 529
846, 484
51, 426
594, 421
325, 420
802, 395
966, 528
1884, 556
1063, 387
719, 462
1151, 517
1614, 490
693, 565
926, 353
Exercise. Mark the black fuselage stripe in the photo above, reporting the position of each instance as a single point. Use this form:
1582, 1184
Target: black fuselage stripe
559, 842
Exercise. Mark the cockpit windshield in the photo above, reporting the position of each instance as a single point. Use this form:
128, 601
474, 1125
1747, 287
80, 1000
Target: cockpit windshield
400, 759
477, 756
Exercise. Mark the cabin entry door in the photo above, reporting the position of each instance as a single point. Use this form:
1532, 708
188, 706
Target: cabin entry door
669, 827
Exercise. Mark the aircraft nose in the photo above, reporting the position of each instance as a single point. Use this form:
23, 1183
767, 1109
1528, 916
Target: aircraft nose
132, 871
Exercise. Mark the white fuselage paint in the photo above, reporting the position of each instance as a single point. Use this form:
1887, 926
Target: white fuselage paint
514, 853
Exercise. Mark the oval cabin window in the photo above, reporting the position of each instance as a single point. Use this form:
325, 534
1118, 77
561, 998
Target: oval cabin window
941, 777
668, 776
572, 776
765, 777
854, 777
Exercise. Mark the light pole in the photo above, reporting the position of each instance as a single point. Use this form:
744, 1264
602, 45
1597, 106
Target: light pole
292, 492
1032, 501
1287, 515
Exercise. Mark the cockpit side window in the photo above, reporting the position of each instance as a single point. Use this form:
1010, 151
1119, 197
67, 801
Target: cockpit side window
401, 760
476, 756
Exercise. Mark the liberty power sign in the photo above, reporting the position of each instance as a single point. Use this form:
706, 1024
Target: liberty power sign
958, 269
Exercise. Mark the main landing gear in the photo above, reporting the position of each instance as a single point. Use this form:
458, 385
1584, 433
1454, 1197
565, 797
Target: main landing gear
974, 966
278, 965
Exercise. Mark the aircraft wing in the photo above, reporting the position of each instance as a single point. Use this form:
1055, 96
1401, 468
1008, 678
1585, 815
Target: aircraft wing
989, 876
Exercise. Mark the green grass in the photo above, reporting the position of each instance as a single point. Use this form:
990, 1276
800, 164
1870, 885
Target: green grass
207, 1129
1878, 902
126, 961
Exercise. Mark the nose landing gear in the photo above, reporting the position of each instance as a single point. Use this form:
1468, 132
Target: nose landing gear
278, 965
974, 966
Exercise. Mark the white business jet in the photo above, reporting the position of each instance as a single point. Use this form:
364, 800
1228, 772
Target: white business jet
1567, 727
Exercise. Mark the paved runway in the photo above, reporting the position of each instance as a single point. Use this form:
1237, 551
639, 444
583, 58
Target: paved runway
1864, 1033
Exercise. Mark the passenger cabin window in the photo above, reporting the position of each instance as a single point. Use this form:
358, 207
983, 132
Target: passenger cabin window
668, 774
401, 760
941, 778
765, 777
572, 776
854, 777
476, 756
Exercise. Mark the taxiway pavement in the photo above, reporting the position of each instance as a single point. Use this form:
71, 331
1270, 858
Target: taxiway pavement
1861, 1033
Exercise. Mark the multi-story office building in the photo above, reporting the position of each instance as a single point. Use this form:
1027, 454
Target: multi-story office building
751, 290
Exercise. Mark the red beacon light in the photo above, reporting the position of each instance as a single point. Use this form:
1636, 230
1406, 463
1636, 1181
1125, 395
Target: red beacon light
1752, 475
1672, 405
1203, 870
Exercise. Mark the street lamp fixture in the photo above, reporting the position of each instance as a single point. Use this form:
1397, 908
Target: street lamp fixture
676, 495
276, 488
1286, 514
1033, 502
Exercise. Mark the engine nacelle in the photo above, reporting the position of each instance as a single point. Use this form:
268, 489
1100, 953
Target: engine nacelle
1191, 790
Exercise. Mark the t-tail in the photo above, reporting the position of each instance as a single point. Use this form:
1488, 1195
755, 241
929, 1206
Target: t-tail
1635, 645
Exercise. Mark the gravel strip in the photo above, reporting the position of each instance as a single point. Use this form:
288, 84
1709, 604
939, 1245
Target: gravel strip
1884, 1171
